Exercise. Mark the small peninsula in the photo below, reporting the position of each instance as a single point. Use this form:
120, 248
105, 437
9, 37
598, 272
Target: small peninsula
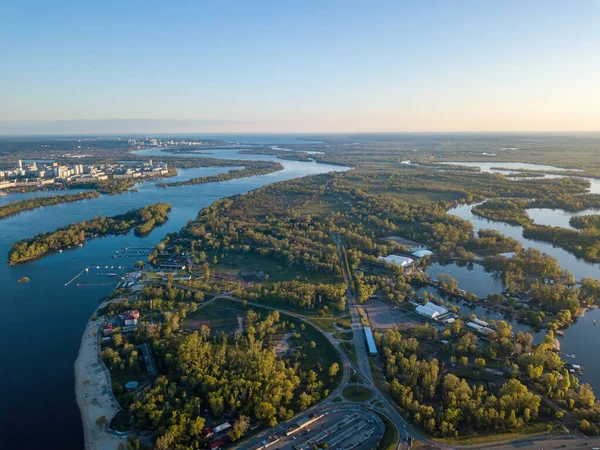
142, 220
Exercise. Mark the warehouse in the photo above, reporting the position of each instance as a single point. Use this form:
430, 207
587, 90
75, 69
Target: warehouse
370, 341
431, 310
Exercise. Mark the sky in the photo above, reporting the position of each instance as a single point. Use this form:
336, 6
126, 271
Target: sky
299, 66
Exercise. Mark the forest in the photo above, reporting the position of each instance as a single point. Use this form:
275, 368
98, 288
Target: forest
14, 208
239, 378
447, 405
142, 220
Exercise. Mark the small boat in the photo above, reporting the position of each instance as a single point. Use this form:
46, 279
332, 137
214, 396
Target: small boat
59, 250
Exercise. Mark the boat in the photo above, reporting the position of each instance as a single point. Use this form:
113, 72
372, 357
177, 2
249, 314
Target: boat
59, 250
559, 333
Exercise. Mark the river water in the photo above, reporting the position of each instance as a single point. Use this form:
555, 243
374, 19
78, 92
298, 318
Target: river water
581, 338
44, 319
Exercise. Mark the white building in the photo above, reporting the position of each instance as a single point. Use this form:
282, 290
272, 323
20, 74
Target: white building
440, 309
422, 253
431, 310
426, 312
395, 259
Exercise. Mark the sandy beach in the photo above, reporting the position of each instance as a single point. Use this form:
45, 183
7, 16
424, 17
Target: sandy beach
93, 392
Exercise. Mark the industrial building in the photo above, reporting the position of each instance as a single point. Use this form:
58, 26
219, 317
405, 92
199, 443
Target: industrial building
370, 341
431, 310
481, 329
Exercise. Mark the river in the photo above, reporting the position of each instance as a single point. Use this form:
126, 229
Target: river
44, 319
582, 337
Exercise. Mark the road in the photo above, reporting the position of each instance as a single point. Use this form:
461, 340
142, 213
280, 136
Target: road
387, 409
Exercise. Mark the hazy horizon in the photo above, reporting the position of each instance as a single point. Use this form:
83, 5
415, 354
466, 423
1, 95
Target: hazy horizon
310, 67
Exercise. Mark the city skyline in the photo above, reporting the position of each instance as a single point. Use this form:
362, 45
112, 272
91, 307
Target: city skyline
299, 68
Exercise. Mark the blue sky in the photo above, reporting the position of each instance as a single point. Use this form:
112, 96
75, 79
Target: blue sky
286, 66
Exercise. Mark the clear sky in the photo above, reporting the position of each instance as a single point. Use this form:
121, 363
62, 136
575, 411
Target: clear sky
299, 66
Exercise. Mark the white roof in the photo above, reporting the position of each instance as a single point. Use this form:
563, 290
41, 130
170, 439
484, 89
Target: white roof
508, 255
422, 253
474, 325
395, 259
440, 309
427, 312
481, 322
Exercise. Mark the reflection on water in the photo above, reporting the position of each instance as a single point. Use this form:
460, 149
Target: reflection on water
45, 318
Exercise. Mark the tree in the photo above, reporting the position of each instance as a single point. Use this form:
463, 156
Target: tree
264, 411
239, 428
334, 369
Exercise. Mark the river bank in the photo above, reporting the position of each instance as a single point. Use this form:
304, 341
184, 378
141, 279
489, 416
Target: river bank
93, 391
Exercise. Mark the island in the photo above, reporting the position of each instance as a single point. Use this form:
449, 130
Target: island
14, 208
142, 221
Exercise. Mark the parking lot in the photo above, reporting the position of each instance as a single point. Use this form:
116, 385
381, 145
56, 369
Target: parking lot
383, 316
344, 429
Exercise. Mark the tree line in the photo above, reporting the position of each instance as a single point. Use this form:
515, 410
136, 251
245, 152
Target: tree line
14, 208
142, 220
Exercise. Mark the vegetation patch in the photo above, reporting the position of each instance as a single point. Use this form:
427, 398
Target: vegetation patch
357, 393
390, 435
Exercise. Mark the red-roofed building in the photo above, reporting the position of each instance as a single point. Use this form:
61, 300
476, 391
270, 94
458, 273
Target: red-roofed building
219, 443
131, 318
107, 331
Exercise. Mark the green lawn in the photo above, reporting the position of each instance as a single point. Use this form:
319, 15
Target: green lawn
345, 336
390, 435
324, 323
217, 318
272, 267
357, 393
344, 322
350, 351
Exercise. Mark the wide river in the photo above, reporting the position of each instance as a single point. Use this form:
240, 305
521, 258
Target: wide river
44, 319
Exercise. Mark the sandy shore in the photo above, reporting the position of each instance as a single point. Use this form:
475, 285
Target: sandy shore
93, 392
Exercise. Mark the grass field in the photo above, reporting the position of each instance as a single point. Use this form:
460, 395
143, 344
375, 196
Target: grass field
357, 393
276, 271
217, 318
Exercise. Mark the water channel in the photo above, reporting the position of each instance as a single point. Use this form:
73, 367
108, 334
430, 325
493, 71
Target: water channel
44, 319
